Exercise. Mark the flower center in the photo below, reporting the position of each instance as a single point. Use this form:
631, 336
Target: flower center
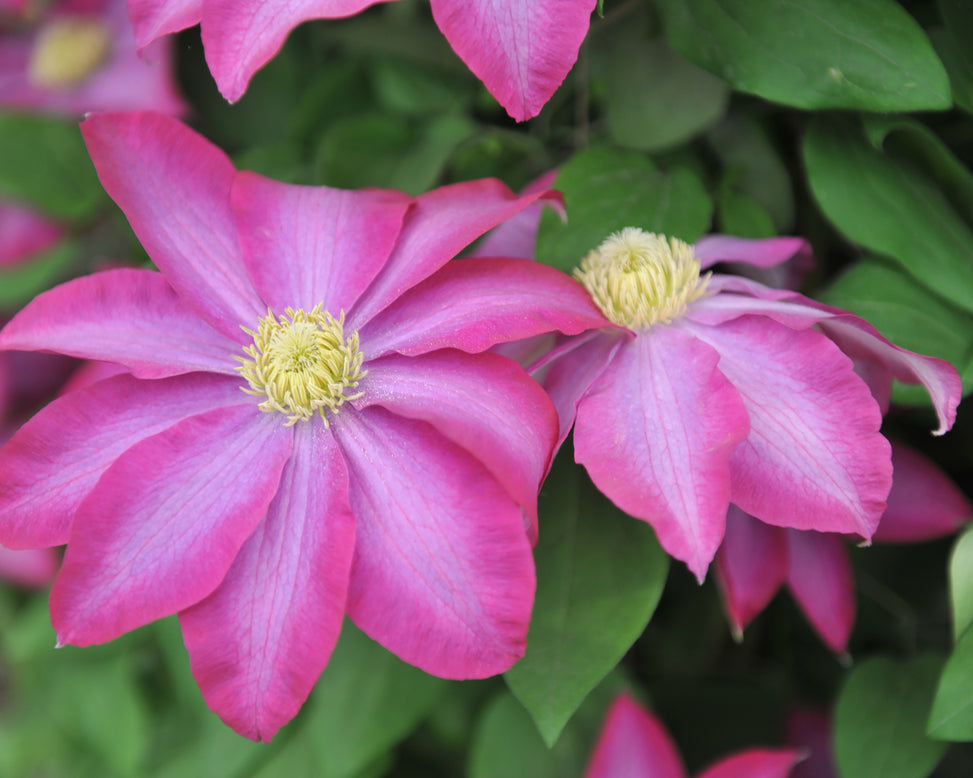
638, 278
67, 51
302, 363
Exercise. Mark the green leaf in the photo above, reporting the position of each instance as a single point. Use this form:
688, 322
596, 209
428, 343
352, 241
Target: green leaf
600, 574
907, 314
880, 716
606, 190
888, 206
951, 717
740, 214
961, 584
656, 98
953, 45
865, 54
45, 163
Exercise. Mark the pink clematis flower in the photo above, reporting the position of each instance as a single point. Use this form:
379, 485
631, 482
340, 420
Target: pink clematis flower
756, 560
634, 744
702, 391
520, 49
80, 55
309, 428
23, 233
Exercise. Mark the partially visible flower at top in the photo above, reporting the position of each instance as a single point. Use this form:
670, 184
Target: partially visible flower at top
73, 56
520, 49
24, 233
704, 390
634, 744
309, 428
756, 560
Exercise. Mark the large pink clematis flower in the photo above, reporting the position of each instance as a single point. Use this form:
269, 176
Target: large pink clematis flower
634, 744
756, 560
308, 428
702, 391
520, 49
80, 55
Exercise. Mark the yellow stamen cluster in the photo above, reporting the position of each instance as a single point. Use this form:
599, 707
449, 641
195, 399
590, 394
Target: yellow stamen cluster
67, 51
302, 363
638, 278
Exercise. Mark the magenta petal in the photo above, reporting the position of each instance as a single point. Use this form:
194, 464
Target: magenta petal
473, 304
815, 458
751, 566
634, 744
174, 187
160, 530
517, 236
821, 580
485, 403
23, 233
521, 51
132, 317
154, 18
57, 457
761, 253
757, 763
28, 567
259, 642
924, 502
656, 431
443, 575
440, 224
241, 36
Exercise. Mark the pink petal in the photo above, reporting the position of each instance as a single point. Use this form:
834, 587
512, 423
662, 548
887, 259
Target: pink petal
154, 18
924, 502
57, 457
757, 763
440, 224
656, 431
712, 249
751, 566
472, 304
443, 575
814, 458
486, 404
259, 642
517, 237
810, 730
633, 744
821, 581
174, 187
306, 245
90, 373
160, 530
241, 36
30, 567
520, 49
23, 233
132, 317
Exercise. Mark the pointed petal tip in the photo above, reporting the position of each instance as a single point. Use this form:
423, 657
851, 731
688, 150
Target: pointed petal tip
845, 659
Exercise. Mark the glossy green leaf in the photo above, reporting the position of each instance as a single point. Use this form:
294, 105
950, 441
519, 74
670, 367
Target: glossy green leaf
905, 313
890, 207
951, 717
740, 214
606, 190
952, 42
600, 574
865, 54
880, 719
961, 583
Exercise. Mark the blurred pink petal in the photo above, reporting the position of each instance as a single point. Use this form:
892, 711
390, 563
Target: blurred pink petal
23, 233
634, 744
758, 763
810, 730
821, 580
31, 568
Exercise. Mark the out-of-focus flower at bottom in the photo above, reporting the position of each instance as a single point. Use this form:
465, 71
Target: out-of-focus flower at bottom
634, 744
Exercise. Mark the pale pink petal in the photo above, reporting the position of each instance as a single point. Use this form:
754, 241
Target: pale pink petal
760, 253
259, 642
155, 18
57, 457
30, 567
443, 575
174, 187
161, 528
484, 403
656, 431
473, 304
815, 458
520, 49
634, 744
23, 233
924, 502
440, 224
821, 581
517, 237
751, 566
241, 36
132, 317
307, 245
757, 763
